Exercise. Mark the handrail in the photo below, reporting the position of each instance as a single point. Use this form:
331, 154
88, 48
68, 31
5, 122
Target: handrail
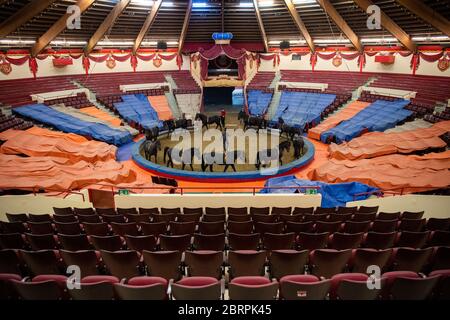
183, 189
59, 192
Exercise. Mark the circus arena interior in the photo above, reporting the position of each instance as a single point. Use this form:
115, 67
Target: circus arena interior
224, 150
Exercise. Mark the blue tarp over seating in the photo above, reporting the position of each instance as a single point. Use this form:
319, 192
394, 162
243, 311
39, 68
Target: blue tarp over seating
258, 102
333, 195
70, 124
379, 116
136, 108
299, 108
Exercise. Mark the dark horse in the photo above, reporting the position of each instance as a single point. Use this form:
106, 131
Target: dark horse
264, 157
152, 134
251, 121
299, 145
291, 131
171, 125
151, 149
225, 159
181, 155
217, 120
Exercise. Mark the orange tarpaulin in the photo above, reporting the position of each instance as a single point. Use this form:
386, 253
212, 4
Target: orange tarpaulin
59, 174
60, 145
411, 173
161, 106
56, 134
346, 113
374, 144
102, 115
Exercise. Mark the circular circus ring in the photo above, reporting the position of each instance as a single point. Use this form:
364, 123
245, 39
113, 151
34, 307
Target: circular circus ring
196, 176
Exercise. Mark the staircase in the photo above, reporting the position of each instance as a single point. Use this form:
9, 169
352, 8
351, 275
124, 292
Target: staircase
172, 83
173, 104
275, 102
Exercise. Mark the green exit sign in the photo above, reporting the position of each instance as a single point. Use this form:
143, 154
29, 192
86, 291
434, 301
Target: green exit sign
124, 192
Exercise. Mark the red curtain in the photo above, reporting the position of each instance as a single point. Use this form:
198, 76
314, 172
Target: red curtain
313, 60
371, 53
326, 56
134, 62
232, 53
17, 61
86, 64
32, 63
75, 56
169, 57
431, 57
179, 61
146, 58
121, 58
351, 56
405, 53
275, 57
99, 59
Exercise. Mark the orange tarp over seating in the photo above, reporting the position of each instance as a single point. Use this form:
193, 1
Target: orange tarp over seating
60, 145
50, 133
375, 144
59, 174
346, 113
409, 173
161, 106
100, 114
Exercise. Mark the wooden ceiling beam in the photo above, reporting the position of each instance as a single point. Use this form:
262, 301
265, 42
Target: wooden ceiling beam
23, 15
147, 24
184, 30
390, 26
341, 23
106, 24
58, 27
261, 25
427, 14
299, 23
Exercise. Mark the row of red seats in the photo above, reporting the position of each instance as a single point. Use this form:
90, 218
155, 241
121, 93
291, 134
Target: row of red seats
17, 92
261, 80
158, 236
338, 82
77, 102
399, 285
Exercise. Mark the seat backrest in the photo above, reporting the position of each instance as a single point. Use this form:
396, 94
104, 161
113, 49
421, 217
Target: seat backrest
43, 290
413, 289
327, 262
273, 241
122, 264
109, 243
287, 262
240, 227
165, 264
103, 290
246, 263
41, 262
214, 242
363, 258
379, 240
243, 241
236, 211
140, 243
411, 259
176, 242
74, 242
86, 259
312, 241
204, 263
153, 228
211, 227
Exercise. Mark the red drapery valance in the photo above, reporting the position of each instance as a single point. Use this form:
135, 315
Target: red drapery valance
236, 54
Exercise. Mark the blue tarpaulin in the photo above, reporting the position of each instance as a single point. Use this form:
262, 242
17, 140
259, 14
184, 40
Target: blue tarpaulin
136, 108
299, 108
71, 124
258, 102
333, 195
379, 116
